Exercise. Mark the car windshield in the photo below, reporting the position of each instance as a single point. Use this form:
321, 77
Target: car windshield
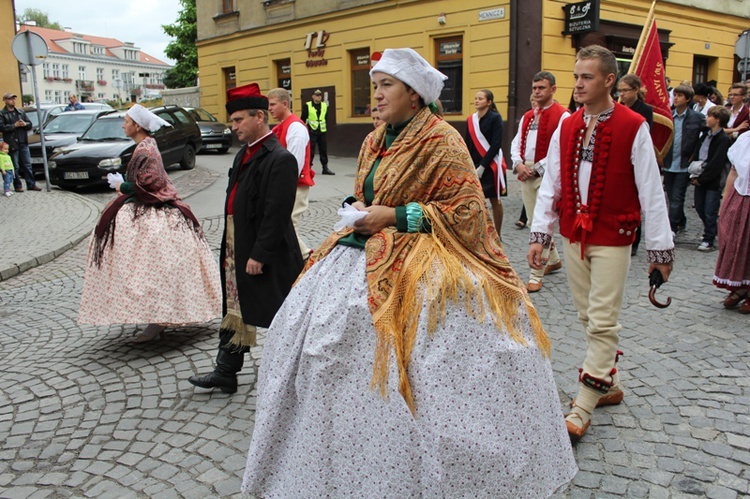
201, 115
69, 123
33, 118
104, 129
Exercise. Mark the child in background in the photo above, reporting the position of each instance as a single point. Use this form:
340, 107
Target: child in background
711, 149
6, 168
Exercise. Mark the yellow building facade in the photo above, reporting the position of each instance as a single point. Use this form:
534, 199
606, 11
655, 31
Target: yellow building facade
9, 72
304, 45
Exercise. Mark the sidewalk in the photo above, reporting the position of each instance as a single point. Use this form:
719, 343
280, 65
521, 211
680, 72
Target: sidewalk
37, 227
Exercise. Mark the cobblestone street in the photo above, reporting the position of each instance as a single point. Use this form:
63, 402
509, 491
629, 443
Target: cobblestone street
84, 412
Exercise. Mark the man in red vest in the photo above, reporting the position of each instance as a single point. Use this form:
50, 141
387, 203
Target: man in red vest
292, 133
601, 175
529, 155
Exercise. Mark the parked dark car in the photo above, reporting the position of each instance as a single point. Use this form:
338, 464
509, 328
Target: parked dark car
104, 148
60, 131
216, 135
50, 110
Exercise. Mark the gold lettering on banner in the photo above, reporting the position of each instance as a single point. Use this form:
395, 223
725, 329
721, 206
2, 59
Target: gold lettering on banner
660, 90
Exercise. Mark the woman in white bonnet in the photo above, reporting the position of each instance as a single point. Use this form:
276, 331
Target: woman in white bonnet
408, 360
148, 262
733, 264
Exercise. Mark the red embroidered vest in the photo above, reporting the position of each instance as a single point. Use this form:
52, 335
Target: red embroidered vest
613, 211
548, 120
306, 177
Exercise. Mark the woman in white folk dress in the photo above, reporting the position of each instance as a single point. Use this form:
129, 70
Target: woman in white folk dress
408, 360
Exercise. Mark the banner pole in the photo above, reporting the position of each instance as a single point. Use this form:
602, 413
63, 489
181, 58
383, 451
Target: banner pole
642, 40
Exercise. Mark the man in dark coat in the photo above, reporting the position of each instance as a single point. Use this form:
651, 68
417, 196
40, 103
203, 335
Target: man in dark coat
16, 125
260, 257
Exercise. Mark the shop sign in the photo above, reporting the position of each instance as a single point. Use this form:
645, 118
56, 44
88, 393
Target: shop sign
450, 48
314, 43
581, 17
488, 15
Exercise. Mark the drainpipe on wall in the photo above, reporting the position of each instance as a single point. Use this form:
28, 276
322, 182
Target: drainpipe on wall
512, 78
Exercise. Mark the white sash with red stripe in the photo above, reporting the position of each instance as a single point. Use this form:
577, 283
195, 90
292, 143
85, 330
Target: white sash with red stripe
482, 145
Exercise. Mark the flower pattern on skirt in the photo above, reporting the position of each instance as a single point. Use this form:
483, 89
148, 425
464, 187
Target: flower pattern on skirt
488, 419
156, 271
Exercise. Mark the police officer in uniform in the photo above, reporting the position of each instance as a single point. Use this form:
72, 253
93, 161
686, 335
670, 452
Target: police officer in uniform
314, 115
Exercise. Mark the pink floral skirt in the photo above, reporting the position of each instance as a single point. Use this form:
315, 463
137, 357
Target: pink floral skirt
733, 264
157, 270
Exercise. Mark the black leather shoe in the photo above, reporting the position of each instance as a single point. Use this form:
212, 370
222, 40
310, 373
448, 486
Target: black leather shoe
227, 384
326, 171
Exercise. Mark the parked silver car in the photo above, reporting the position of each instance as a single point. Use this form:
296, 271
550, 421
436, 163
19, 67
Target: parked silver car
50, 110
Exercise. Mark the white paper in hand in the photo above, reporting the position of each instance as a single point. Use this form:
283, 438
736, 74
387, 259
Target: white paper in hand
114, 179
349, 214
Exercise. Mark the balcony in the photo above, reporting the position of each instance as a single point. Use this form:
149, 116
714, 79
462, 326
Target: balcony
85, 85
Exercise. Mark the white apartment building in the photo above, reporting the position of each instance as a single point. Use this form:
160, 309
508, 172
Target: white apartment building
94, 68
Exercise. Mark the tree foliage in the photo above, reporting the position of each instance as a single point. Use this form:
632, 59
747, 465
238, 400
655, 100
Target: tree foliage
40, 17
184, 32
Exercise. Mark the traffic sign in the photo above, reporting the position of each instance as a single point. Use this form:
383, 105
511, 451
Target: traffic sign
741, 45
29, 48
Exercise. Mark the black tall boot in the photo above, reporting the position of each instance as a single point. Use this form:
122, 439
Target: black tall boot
229, 362
326, 171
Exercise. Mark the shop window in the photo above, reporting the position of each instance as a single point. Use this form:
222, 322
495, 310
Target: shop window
360, 64
700, 69
450, 61
230, 78
230, 81
284, 74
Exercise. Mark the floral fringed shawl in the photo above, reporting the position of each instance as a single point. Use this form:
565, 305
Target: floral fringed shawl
151, 187
430, 164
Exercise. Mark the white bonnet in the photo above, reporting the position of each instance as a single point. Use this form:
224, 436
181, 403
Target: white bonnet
146, 118
411, 68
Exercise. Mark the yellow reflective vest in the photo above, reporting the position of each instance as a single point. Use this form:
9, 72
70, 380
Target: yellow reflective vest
312, 116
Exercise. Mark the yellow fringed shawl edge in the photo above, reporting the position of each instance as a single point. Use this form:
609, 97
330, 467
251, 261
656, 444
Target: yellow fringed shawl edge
438, 269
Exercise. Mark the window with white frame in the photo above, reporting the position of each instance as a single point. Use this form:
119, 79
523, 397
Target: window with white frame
100, 74
59, 96
81, 72
47, 95
101, 96
65, 71
55, 70
45, 70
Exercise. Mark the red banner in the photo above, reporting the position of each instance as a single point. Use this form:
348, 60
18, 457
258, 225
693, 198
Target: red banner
650, 69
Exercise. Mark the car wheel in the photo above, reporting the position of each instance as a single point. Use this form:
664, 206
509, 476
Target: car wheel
188, 160
223, 150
